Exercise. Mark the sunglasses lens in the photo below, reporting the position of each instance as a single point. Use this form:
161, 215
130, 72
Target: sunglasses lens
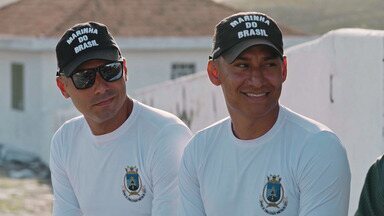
111, 72
84, 79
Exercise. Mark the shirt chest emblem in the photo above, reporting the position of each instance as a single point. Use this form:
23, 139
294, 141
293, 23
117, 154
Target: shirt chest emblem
133, 188
273, 200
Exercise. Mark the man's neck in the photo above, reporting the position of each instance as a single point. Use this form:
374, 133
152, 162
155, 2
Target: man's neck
246, 128
112, 124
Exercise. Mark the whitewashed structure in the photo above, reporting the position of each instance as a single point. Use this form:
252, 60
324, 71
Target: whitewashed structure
337, 79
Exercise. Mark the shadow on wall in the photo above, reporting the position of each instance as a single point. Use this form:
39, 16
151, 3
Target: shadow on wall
183, 114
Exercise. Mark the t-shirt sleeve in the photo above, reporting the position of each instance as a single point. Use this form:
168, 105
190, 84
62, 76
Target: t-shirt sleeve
372, 195
164, 167
323, 176
190, 203
64, 199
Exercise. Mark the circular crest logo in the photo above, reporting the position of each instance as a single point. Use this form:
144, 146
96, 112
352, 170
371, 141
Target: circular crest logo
273, 200
133, 188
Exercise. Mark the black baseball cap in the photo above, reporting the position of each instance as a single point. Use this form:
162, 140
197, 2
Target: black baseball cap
83, 42
236, 33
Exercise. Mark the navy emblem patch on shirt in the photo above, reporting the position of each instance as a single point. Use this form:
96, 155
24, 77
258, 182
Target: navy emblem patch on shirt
273, 200
133, 188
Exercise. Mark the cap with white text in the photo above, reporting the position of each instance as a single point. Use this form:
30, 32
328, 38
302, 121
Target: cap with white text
83, 42
236, 33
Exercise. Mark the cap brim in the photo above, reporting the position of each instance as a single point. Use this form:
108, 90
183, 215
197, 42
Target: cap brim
231, 54
106, 54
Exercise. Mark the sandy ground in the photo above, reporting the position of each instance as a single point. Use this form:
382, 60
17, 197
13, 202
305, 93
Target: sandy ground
24, 197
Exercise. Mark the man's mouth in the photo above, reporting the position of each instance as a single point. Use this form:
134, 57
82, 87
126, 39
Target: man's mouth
249, 94
104, 101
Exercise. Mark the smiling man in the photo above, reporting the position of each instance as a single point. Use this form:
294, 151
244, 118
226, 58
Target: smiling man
264, 159
120, 157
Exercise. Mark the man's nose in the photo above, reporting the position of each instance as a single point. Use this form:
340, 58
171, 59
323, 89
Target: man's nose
256, 77
100, 85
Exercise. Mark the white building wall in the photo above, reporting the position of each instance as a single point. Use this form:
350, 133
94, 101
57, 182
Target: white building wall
193, 98
336, 79
151, 67
19, 127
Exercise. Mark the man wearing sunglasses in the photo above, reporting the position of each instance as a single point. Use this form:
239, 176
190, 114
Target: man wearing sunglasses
120, 157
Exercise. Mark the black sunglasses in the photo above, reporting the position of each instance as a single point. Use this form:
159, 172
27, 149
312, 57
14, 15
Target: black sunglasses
85, 78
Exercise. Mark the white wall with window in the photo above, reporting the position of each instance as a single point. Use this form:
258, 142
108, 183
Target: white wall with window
182, 69
20, 89
156, 60
17, 90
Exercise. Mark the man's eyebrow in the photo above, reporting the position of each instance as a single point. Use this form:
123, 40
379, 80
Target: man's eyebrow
271, 57
241, 58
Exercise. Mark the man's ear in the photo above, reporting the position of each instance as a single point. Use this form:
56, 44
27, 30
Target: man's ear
125, 69
61, 85
285, 66
213, 72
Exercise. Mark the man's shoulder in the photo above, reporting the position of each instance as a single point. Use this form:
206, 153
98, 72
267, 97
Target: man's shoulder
155, 116
380, 163
72, 124
303, 123
66, 134
208, 137
214, 128
309, 139
308, 133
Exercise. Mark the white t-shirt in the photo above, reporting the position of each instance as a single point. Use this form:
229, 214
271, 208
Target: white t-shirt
299, 167
130, 171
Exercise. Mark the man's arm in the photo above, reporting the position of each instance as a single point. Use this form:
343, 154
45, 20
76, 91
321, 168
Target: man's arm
323, 177
64, 200
190, 202
372, 196
164, 167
